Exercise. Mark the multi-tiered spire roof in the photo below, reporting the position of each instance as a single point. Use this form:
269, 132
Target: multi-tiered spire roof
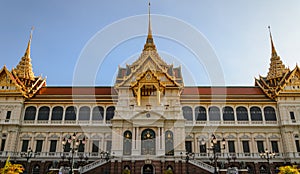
22, 77
277, 68
279, 79
148, 60
24, 68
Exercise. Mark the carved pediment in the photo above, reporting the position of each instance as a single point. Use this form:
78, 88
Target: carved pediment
293, 81
7, 82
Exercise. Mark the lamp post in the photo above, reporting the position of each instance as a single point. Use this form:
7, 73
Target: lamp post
267, 155
74, 144
29, 154
106, 155
187, 157
214, 147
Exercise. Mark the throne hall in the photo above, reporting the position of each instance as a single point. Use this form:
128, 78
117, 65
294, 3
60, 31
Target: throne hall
149, 122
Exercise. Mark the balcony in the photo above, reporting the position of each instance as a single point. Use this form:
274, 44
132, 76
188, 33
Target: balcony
59, 122
93, 156
230, 123
9, 121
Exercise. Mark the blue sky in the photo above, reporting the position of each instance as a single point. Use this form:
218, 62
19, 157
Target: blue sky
235, 30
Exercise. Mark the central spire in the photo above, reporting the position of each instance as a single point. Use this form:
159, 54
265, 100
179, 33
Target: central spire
274, 53
277, 68
24, 68
149, 42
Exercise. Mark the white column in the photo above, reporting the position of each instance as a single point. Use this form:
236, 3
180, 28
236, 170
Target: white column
238, 141
162, 138
158, 137
134, 138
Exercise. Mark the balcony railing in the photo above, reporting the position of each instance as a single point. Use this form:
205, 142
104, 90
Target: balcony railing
97, 155
9, 121
230, 123
59, 122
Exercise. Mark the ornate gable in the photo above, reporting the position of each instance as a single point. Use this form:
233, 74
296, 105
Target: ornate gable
292, 82
149, 77
7, 82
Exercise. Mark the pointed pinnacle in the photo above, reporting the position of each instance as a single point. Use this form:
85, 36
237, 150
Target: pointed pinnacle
274, 53
27, 52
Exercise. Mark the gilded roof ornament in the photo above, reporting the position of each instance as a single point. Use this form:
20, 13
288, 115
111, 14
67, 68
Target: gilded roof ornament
279, 77
277, 68
24, 76
24, 68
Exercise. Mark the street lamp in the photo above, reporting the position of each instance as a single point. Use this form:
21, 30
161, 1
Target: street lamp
106, 155
74, 144
267, 155
187, 157
29, 154
215, 147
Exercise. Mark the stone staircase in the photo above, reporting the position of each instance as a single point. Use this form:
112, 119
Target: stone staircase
92, 165
202, 165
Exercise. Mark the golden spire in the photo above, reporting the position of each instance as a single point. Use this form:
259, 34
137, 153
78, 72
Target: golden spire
149, 42
27, 52
274, 53
277, 68
24, 68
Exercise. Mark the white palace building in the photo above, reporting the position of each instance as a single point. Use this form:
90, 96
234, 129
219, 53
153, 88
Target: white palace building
149, 122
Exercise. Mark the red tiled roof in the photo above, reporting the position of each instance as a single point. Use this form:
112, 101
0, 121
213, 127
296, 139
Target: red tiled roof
77, 90
187, 91
222, 90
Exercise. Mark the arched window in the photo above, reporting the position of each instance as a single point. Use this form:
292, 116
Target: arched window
57, 113
242, 113
30, 113
169, 147
148, 142
187, 113
200, 113
110, 112
70, 113
228, 114
255, 113
44, 113
270, 114
127, 143
84, 113
214, 113
98, 113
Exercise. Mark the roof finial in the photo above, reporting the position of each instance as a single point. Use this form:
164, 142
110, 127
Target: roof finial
149, 42
27, 52
149, 20
274, 53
